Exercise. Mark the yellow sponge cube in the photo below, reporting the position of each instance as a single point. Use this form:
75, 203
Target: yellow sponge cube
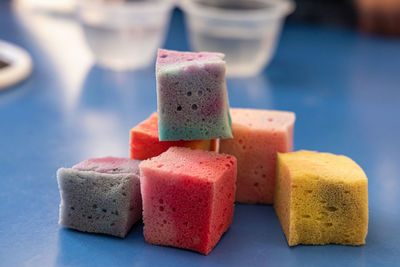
321, 198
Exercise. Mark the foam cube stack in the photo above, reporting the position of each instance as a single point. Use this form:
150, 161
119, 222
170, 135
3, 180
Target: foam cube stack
258, 136
321, 198
185, 191
100, 196
188, 198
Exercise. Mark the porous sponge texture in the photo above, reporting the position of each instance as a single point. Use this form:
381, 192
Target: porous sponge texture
192, 98
100, 196
188, 198
321, 198
258, 136
145, 144
109, 165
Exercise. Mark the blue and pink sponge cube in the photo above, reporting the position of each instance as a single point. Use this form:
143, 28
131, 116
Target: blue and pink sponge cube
192, 97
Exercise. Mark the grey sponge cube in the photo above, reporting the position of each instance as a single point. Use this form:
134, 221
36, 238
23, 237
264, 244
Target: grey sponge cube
99, 202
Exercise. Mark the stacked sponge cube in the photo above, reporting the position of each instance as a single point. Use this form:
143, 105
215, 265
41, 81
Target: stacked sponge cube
192, 99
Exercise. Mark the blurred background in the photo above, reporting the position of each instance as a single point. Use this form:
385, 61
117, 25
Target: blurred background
123, 35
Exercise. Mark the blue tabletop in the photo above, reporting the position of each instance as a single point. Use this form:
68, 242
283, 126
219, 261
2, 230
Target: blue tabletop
343, 86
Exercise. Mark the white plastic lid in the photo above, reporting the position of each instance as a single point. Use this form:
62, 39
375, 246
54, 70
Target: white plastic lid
19, 64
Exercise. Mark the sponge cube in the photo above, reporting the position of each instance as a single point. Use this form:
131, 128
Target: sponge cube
192, 99
145, 144
321, 198
100, 196
188, 198
258, 136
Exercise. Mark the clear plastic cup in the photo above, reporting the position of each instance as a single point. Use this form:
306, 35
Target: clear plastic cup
124, 35
246, 31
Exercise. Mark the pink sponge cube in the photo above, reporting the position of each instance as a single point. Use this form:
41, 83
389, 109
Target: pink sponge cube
188, 198
257, 137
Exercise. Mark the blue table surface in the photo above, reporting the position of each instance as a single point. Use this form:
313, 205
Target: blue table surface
344, 87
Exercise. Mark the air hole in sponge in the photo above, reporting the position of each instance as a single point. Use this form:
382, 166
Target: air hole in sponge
309, 191
189, 93
189, 59
161, 201
331, 209
163, 56
328, 224
159, 166
161, 208
255, 184
200, 93
305, 216
179, 108
194, 106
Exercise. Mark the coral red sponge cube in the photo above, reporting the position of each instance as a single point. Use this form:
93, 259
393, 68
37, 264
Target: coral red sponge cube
188, 198
145, 144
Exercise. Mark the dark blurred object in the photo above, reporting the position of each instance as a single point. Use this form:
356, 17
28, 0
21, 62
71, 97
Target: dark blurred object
3, 64
379, 16
374, 16
340, 12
